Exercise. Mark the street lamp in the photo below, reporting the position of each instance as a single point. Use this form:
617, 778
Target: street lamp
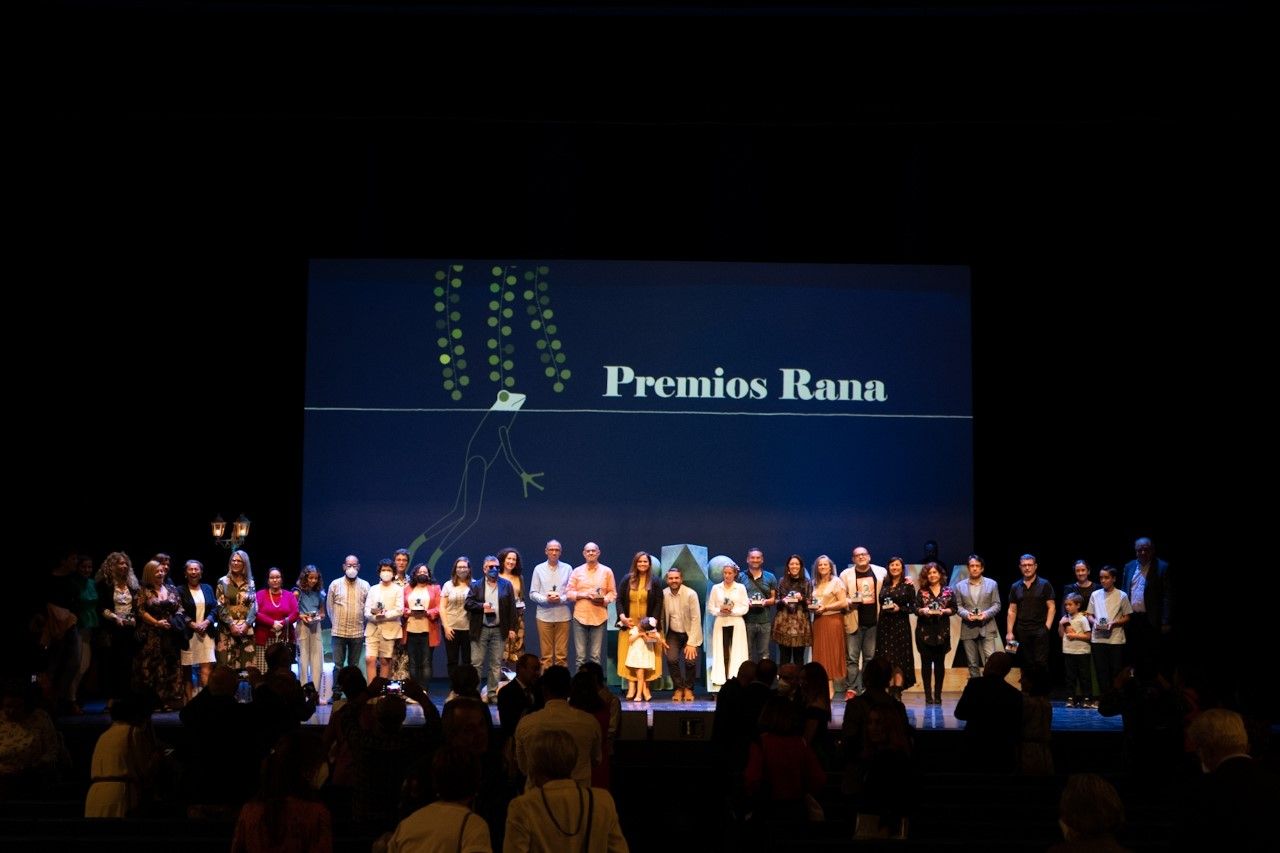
239, 532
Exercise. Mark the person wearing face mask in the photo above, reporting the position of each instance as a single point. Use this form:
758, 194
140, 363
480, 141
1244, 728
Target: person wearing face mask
491, 606
422, 622
346, 599
382, 610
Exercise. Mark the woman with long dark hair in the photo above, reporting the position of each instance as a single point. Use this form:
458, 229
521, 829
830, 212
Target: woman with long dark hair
643, 597
893, 641
792, 625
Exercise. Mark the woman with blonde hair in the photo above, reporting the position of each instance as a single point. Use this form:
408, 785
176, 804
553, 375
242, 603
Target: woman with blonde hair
161, 636
117, 591
827, 606
237, 612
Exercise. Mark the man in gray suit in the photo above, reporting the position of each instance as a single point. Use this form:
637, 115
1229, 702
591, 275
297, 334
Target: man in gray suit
978, 602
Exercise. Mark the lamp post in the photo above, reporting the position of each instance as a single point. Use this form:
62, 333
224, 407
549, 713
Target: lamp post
239, 532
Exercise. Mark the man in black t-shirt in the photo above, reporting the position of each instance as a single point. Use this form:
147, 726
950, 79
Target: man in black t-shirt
1031, 612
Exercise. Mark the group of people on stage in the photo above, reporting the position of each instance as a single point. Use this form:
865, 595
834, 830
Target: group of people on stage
168, 635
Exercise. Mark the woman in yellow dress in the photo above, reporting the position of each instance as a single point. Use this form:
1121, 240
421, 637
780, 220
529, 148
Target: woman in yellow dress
639, 595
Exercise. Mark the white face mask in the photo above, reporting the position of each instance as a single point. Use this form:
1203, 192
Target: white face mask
386, 576
352, 572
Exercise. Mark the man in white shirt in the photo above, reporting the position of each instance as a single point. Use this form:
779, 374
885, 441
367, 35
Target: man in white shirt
681, 624
549, 590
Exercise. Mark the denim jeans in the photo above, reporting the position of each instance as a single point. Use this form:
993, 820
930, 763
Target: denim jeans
758, 638
486, 656
860, 648
419, 647
347, 651
588, 643
977, 650
311, 654
678, 664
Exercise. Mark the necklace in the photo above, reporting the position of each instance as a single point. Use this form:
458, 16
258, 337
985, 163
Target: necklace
582, 812
274, 595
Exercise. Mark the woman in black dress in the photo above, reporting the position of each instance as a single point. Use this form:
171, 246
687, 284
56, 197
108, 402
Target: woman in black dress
935, 605
893, 633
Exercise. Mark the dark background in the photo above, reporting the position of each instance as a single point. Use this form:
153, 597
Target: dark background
1096, 166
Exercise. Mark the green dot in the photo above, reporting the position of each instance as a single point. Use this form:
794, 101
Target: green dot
528, 294
492, 343
444, 358
506, 313
439, 306
493, 305
555, 345
559, 358
448, 385
543, 270
544, 300
442, 342
454, 299
447, 372
494, 375
551, 328
558, 387
493, 361
541, 344
532, 311
510, 279
494, 287
528, 276
439, 275
464, 381
565, 374
439, 291
507, 365
545, 358
509, 296
547, 314
459, 349
492, 321
457, 267
462, 363
457, 395
456, 334
550, 371
440, 324
509, 348
542, 286
506, 330
455, 316
510, 381
456, 282
496, 271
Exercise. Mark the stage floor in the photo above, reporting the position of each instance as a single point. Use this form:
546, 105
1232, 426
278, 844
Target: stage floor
921, 716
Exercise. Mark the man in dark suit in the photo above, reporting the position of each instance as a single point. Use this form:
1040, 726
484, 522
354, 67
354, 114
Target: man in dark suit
1147, 583
491, 607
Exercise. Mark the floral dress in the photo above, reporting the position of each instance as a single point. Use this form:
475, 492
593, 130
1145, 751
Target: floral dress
400, 655
237, 603
515, 647
157, 666
934, 630
893, 631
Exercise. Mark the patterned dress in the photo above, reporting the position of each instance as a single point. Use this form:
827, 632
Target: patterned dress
515, 648
400, 657
157, 666
237, 603
793, 626
893, 631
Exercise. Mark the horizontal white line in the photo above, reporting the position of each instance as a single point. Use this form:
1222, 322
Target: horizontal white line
641, 412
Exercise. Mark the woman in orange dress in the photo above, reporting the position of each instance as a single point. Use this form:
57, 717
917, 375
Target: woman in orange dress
827, 607
639, 595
